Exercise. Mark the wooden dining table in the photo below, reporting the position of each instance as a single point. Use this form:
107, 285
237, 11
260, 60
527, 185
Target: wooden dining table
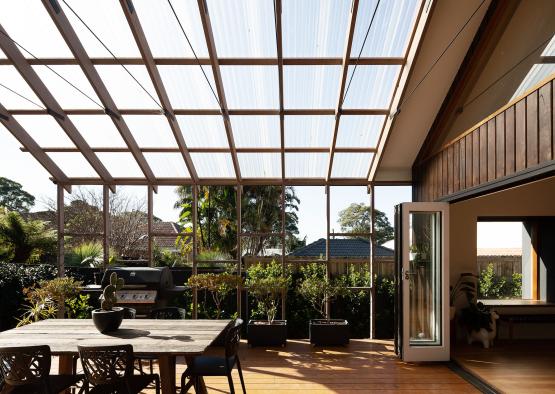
164, 339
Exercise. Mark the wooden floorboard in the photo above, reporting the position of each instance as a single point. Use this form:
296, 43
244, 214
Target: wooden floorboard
363, 366
512, 366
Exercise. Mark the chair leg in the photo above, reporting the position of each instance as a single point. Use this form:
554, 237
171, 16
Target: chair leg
151, 370
157, 382
241, 375
230, 380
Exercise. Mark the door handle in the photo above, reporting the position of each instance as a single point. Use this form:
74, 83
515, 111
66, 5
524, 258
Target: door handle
408, 274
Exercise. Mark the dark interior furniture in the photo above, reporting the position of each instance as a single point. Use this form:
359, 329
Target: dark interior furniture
511, 319
216, 366
109, 369
26, 369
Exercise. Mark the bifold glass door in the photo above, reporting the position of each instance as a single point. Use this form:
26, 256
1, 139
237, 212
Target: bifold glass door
423, 278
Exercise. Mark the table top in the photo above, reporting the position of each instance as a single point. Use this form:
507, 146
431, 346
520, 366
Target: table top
148, 336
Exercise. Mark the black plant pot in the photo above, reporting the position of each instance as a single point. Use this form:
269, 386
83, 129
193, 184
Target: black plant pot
331, 332
107, 321
260, 333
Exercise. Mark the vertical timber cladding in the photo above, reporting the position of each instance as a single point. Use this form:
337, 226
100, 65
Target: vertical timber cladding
510, 140
500, 145
545, 105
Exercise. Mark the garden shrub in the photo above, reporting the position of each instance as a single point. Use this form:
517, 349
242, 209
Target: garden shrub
492, 286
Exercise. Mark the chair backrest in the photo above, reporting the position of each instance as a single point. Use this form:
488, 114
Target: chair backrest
129, 313
169, 313
233, 338
25, 365
106, 364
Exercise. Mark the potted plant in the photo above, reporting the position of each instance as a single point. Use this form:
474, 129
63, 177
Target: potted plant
465, 285
108, 317
318, 290
267, 284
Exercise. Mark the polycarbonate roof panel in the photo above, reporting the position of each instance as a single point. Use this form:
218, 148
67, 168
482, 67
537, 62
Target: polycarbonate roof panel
213, 165
309, 131
260, 165
28, 23
314, 28
251, 87
98, 130
121, 164
15, 94
151, 131
311, 86
256, 131
243, 28
77, 93
371, 86
124, 90
306, 165
188, 88
73, 164
550, 48
203, 131
45, 131
162, 30
390, 31
537, 73
351, 165
359, 131
107, 20
167, 165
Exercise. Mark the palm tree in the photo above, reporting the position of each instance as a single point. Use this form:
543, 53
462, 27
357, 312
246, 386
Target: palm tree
23, 241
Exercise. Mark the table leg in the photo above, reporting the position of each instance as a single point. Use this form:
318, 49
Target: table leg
200, 387
65, 366
167, 373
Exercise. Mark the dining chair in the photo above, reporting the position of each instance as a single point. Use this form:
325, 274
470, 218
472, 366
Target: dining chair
109, 369
168, 313
26, 369
217, 365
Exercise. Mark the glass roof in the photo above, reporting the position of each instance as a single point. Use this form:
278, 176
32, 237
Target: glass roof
298, 118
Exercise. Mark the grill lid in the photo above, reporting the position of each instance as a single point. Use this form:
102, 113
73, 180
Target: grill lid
154, 278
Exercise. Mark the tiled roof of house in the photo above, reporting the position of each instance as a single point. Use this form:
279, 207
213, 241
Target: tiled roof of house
499, 252
342, 247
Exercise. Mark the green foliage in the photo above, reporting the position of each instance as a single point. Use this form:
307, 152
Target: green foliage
218, 285
108, 298
24, 241
317, 289
516, 291
357, 218
213, 255
89, 254
13, 197
39, 307
167, 258
491, 286
266, 283
78, 307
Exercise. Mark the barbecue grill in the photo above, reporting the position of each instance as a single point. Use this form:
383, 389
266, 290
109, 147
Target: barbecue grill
145, 288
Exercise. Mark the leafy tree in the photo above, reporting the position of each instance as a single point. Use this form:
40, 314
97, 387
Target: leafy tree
13, 197
24, 241
357, 218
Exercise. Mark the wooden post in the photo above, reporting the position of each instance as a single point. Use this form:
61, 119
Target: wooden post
328, 245
106, 224
283, 294
195, 251
371, 262
150, 205
60, 213
239, 251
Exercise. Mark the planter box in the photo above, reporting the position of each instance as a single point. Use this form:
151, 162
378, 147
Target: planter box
329, 332
260, 334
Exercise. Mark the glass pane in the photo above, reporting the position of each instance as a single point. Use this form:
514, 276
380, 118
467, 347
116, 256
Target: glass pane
213, 165
73, 164
167, 165
306, 165
251, 86
260, 165
66, 95
243, 28
351, 165
151, 131
121, 164
537, 73
425, 278
18, 16
314, 28
203, 131
162, 30
125, 91
309, 131
13, 82
380, 80
390, 31
45, 131
359, 131
107, 21
256, 131
311, 86
180, 81
98, 130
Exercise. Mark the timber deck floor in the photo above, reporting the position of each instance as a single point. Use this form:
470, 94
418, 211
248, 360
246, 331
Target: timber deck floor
363, 366
512, 366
